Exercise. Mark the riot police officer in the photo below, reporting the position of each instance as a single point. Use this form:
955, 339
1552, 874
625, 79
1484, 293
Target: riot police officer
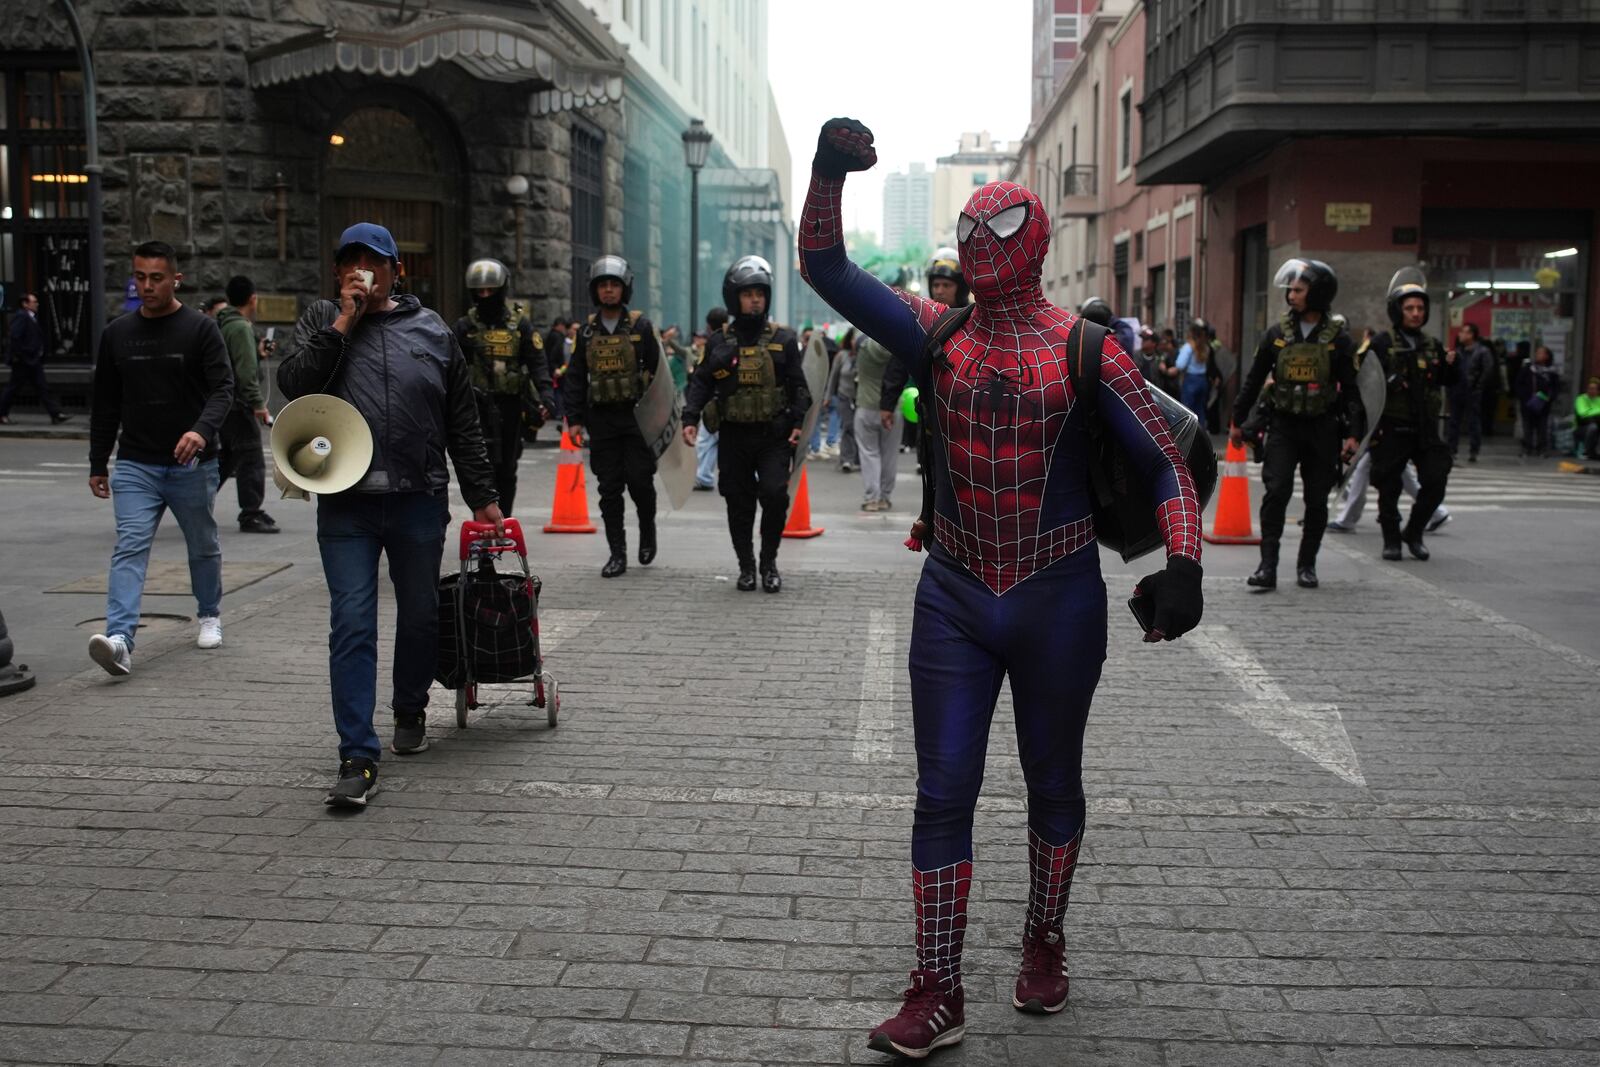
615, 356
1415, 368
1314, 404
752, 372
948, 286
506, 363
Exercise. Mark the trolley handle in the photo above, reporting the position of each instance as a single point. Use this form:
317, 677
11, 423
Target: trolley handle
483, 536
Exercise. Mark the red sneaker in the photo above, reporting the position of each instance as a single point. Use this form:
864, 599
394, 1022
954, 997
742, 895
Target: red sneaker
927, 1020
1042, 981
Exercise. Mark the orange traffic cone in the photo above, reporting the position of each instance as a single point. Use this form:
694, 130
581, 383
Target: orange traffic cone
1232, 523
570, 512
800, 513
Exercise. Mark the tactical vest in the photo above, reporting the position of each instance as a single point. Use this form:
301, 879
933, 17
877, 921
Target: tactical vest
613, 360
1412, 376
494, 363
1302, 380
756, 396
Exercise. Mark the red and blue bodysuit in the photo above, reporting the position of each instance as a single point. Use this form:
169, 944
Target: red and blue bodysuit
1012, 586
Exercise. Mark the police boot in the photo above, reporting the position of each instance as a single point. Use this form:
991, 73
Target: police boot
1415, 546
1305, 569
771, 580
618, 563
1266, 575
747, 576
647, 543
1391, 542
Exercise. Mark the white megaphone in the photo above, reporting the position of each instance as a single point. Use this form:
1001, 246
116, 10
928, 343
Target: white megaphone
320, 444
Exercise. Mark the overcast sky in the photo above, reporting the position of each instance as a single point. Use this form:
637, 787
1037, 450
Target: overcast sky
917, 72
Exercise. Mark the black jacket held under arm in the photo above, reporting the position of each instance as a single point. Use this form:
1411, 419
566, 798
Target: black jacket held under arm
405, 373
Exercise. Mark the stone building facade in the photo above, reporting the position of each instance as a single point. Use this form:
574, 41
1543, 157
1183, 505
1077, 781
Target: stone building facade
248, 133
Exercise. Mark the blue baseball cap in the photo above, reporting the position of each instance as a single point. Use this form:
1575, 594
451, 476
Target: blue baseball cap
368, 235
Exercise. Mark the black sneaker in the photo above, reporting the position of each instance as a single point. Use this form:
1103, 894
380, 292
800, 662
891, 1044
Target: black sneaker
358, 781
59, 417
258, 524
410, 734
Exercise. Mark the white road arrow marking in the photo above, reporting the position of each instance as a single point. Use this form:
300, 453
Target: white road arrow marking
875, 726
1311, 728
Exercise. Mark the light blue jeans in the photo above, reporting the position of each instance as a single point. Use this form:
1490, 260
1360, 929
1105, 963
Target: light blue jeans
705, 454
140, 494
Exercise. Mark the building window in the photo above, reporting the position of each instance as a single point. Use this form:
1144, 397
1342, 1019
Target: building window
1254, 277
44, 197
588, 207
1138, 247
1158, 292
1125, 130
1066, 29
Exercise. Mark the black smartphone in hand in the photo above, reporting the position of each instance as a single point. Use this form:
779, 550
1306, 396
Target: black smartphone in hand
1144, 610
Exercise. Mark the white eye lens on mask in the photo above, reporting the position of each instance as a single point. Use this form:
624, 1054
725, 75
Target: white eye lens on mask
1009, 221
964, 226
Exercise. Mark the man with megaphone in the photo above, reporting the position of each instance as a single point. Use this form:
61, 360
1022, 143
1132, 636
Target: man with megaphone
399, 365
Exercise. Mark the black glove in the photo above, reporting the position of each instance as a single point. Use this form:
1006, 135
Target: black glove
1177, 596
843, 145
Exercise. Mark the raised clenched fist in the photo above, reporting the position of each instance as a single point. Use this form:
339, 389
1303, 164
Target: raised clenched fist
843, 145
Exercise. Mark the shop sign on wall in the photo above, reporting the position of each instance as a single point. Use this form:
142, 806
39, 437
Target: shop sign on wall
1346, 216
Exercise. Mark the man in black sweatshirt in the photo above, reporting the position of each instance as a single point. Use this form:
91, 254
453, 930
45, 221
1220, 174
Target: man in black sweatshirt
162, 377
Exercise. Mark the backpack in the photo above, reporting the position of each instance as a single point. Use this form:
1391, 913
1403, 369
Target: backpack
1124, 512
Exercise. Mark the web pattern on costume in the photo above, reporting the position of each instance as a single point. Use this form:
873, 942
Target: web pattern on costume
940, 897
1050, 869
1004, 393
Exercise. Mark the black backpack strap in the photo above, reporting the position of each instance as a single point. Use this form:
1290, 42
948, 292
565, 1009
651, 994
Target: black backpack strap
928, 452
1085, 342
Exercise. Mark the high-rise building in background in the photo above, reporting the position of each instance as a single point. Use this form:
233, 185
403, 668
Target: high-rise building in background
1058, 30
978, 159
908, 208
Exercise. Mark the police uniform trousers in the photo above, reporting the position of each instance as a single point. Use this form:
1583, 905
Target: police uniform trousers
500, 418
753, 464
1395, 444
1310, 445
621, 460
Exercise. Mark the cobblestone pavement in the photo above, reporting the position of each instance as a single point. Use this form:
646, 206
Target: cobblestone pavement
1356, 826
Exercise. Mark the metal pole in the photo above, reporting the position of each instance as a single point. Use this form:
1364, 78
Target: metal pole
694, 249
91, 140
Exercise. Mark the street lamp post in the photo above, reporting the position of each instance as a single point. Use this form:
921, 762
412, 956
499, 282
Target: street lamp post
91, 143
696, 147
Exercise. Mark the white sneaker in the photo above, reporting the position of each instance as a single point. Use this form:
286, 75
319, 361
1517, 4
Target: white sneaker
210, 632
112, 653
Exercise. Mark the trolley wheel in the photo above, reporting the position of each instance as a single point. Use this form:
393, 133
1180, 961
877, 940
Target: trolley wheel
552, 699
463, 704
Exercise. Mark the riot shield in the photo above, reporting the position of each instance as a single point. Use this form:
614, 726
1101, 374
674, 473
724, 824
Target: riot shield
659, 414
814, 361
1373, 390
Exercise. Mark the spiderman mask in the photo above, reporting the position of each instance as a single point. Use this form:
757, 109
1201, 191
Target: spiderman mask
1004, 233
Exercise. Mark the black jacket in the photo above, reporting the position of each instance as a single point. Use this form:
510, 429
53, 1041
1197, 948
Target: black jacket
27, 339
1346, 404
606, 419
405, 373
721, 349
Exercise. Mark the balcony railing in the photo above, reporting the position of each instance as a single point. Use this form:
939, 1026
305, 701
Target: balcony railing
1078, 180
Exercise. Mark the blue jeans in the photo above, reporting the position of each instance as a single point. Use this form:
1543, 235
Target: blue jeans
705, 453
352, 528
829, 415
140, 494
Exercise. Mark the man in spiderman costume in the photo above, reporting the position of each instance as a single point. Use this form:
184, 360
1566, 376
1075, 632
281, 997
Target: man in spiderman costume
1012, 585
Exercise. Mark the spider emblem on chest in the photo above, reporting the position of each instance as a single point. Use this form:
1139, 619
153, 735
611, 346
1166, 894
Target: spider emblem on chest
997, 396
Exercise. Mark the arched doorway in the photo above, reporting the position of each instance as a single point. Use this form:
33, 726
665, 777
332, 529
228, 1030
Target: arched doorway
394, 168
